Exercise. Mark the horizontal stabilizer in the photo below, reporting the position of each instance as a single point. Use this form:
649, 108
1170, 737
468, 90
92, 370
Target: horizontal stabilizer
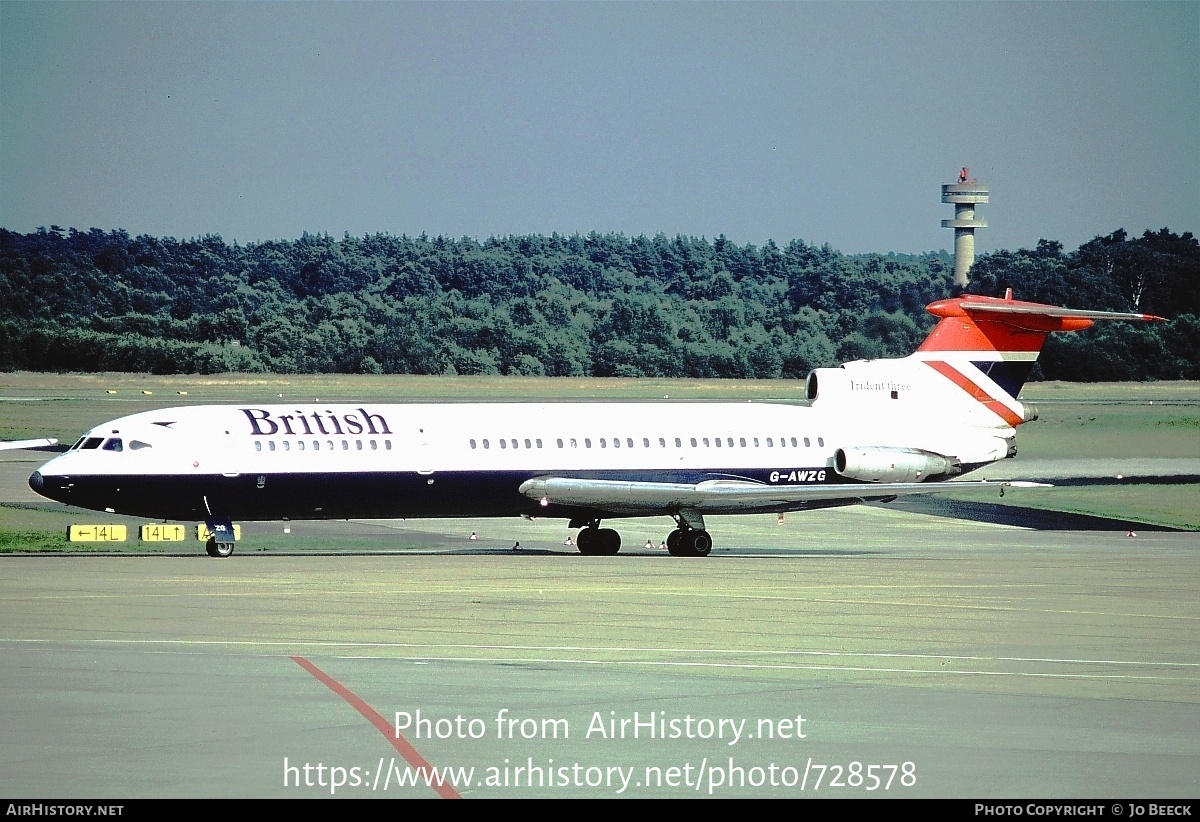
1027, 316
1036, 309
1002, 338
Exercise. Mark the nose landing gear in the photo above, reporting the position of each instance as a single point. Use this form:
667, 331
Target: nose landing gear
218, 549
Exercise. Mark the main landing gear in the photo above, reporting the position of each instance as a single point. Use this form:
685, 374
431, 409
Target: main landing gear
688, 540
594, 541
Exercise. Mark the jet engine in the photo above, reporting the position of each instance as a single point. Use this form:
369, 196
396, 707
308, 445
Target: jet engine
828, 378
878, 464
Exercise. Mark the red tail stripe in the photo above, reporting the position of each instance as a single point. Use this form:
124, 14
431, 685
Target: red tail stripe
995, 406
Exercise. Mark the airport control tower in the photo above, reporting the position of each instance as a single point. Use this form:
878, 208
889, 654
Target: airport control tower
964, 194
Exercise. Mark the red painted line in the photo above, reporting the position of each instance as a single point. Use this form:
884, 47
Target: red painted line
977, 393
402, 745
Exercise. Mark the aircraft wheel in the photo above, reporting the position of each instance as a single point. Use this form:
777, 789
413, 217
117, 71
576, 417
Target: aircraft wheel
598, 542
700, 543
689, 543
675, 543
609, 542
586, 541
218, 549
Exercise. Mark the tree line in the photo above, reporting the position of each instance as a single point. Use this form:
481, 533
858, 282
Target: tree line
579, 305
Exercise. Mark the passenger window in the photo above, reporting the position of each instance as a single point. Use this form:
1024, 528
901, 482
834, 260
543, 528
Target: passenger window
374, 445
316, 445
629, 442
538, 442
503, 443
114, 445
527, 445
514, 443
287, 446
300, 445
706, 442
271, 445
387, 445
473, 445
794, 445
693, 442
574, 444
258, 445
560, 442
587, 442
345, 445
807, 444
821, 441
770, 442
742, 442
679, 442
603, 444
756, 442
783, 442
717, 440
616, 442
662, 443
358, 444
486, 445
329, 444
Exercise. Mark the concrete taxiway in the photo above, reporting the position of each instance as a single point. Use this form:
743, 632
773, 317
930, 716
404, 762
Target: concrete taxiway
945, 658
927, 648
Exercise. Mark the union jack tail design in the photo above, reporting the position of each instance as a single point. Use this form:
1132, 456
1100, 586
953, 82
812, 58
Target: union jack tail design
987, 346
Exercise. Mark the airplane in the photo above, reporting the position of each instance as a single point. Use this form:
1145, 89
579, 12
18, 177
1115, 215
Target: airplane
869, 430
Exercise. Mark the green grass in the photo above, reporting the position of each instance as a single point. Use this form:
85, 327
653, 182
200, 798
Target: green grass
32, 541
1081, 424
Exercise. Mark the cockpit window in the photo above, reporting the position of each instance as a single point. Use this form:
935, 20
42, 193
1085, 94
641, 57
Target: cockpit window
90, 443
138, 445
114, 444
78, 443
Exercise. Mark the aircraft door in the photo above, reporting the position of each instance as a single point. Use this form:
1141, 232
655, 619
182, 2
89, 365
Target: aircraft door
227, 457
424, 452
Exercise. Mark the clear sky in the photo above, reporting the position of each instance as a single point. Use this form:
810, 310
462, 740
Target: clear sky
828, 122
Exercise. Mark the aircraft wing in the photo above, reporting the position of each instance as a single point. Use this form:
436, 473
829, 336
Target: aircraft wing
1096, 471
18, 444
726, 496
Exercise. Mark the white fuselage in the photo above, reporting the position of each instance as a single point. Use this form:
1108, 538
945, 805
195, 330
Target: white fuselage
327, 461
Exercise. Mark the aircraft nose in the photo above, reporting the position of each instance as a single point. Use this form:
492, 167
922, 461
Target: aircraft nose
36, 482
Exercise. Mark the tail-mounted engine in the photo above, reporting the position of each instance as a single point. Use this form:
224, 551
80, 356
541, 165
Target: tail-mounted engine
877, 464
863, 381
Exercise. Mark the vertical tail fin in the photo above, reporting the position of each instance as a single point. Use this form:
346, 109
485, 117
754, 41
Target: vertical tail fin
971, 366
